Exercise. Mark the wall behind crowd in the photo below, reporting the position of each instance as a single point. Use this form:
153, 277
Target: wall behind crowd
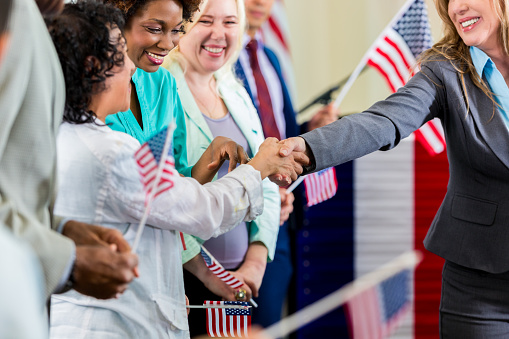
329, 37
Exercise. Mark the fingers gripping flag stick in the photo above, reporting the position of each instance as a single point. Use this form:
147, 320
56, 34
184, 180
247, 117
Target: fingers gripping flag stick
228, 322
157, 167
218, 270
221, 273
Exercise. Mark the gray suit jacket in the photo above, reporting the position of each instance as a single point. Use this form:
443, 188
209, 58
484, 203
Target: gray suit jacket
31, 105
471, 228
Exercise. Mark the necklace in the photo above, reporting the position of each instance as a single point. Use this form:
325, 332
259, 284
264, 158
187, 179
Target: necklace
210, 113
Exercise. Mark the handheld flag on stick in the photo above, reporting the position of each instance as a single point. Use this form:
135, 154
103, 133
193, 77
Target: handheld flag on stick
378, 311
157, 166
394, 54
221, 273
227, 321
218, 270
407, 261
321, 186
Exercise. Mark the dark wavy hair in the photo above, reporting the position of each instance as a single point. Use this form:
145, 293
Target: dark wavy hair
130, 7
81, 34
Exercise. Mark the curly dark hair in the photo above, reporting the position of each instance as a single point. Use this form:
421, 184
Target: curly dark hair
81, 34
130, 7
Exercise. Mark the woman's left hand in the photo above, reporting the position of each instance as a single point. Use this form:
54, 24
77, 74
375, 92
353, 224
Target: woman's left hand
224, 148
253, 268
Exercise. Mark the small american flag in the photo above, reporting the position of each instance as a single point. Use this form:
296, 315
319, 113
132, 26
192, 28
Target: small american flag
221, 273
394, 55
378, 311
228, 322
321, 186
148, 157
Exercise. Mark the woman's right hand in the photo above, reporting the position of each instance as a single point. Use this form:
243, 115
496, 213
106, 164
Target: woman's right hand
223, 148
269, 161
219, 150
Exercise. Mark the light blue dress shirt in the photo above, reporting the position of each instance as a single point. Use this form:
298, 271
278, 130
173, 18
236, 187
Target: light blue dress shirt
484, 65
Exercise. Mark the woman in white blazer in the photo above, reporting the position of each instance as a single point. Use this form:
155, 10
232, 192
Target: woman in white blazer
216, 104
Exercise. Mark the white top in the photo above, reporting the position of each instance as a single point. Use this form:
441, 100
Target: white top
100, 183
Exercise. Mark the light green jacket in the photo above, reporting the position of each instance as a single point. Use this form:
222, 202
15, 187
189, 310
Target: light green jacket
198, 137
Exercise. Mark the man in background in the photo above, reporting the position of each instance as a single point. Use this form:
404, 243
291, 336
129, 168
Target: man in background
259, 69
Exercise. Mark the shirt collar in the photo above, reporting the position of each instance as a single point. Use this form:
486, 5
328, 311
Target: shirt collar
480, 60
246, 39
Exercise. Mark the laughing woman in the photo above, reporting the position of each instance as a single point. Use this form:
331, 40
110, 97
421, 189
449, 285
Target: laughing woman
215, 104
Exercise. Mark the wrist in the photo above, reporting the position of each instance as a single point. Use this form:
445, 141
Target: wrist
255, 163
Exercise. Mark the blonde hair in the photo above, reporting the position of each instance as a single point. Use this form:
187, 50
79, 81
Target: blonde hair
454, 49
226, 71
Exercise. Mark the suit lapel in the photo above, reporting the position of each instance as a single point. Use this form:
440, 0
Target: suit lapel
239, 71
490, 124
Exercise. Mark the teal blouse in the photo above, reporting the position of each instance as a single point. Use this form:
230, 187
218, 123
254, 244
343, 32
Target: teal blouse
159, 104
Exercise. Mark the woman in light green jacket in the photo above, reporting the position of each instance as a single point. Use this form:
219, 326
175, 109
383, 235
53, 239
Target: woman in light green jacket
216, 104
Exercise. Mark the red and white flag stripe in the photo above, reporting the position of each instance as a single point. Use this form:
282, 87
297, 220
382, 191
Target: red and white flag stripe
221, 324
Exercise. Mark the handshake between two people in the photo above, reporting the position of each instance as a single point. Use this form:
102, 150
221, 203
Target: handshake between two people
281, 161
104, 264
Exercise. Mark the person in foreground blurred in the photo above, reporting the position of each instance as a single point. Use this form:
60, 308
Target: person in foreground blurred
463, 81
99, 181
21, 285
32, 101
216, 104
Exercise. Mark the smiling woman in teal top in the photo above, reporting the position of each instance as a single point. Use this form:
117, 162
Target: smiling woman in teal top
152, 30
159, 104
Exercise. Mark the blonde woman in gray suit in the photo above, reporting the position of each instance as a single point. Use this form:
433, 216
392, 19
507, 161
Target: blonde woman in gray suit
463, 81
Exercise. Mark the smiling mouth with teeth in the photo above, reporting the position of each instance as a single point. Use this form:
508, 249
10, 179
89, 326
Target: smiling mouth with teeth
469, 22
213, 50
155, 56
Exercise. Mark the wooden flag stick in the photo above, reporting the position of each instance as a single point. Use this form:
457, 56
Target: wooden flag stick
162, 161
408, 260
